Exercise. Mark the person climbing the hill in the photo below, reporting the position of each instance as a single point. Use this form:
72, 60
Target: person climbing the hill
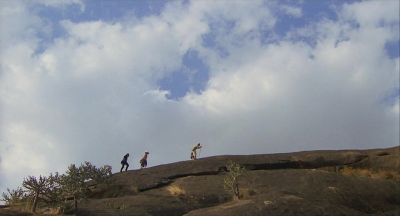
143, 161
124, 162
193, 154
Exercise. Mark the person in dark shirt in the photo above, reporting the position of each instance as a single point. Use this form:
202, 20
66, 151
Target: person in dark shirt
124, 162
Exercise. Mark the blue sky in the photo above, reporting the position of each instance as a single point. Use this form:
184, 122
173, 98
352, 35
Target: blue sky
91, 80
106, 10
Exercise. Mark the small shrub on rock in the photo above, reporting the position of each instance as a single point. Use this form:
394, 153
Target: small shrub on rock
231, 183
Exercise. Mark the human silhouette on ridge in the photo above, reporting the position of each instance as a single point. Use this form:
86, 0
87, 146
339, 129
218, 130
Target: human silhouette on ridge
124, 162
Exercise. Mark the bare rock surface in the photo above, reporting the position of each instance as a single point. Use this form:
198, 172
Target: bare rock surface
344, 182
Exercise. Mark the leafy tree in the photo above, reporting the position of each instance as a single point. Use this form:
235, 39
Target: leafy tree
231, 183
55, 188
75, 182
35, 187
91, 172
13, 196
53, 191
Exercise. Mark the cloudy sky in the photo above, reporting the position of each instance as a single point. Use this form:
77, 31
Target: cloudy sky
92, 80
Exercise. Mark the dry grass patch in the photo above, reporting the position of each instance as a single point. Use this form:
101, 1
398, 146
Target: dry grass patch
381, 174
22, 206
115, 205
175, 190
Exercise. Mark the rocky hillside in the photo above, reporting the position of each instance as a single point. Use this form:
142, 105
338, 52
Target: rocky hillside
347, 182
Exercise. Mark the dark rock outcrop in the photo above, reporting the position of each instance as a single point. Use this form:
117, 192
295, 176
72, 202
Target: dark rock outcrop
301, 183
345, 182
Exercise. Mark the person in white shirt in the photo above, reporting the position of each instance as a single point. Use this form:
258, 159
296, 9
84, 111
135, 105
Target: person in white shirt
193, 155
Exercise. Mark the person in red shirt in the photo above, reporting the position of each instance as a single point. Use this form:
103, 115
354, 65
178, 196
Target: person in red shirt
143, 161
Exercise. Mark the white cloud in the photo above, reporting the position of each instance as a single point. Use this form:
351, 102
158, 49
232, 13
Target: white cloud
17, 24
292, 11
373, 12
26, 157
323, 96
396, 108
93, 94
